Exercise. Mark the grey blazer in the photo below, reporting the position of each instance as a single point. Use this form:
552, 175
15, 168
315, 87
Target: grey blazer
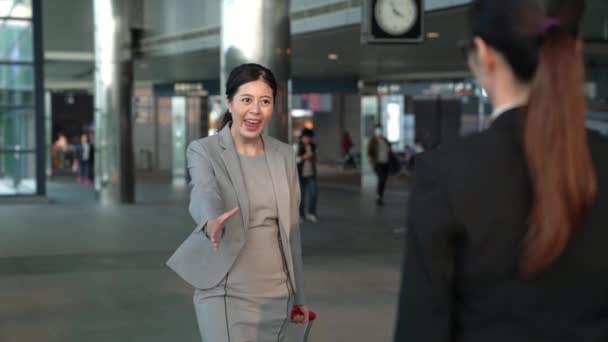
217, 186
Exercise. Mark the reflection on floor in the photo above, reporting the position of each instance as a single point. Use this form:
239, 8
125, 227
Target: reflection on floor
25, 187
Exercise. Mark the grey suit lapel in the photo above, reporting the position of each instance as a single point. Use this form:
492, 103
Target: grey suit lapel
233, 165
280, 183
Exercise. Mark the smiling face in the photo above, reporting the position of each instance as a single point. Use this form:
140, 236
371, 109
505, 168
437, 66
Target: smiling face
251, 109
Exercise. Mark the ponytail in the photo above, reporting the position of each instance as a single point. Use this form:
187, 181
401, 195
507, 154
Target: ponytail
555, 143
227, 119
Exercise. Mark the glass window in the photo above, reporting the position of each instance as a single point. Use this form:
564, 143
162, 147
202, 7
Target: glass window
16, 85
16, 40
17, 128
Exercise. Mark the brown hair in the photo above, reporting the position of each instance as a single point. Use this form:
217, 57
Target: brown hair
554, 134
555, 141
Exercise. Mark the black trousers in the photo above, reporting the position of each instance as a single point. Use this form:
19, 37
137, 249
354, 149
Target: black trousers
381, 170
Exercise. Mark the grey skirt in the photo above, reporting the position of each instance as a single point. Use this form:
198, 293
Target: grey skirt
253, 301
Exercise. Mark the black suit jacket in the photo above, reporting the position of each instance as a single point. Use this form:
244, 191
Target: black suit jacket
467, 224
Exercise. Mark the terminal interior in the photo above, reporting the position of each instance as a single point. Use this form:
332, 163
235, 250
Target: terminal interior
79, 262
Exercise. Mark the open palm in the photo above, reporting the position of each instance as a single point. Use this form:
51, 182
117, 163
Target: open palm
215, 227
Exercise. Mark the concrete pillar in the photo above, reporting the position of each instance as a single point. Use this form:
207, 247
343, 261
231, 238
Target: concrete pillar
39, 136
114, 167
257, 31
48, 136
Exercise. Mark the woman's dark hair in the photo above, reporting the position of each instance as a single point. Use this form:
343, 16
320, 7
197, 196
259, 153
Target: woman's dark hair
246, 73
540, 40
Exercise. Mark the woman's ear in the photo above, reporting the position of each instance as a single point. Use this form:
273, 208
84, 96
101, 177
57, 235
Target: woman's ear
228, 104
486, 56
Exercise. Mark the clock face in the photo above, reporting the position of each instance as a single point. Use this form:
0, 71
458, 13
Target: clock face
396, 17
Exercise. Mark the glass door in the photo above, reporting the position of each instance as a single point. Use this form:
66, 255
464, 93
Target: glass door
17, 102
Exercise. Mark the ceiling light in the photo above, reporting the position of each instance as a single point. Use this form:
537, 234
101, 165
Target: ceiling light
21, 11
332, 56
433, 35
301, 113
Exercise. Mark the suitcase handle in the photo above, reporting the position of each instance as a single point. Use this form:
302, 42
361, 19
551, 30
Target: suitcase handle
296, 311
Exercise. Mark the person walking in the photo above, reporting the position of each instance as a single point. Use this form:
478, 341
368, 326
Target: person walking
379, 154
307, 170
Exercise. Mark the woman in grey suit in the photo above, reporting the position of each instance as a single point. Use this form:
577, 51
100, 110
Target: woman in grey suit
244, 256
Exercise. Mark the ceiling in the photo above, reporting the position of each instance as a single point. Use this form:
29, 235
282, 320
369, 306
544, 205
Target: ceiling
381, 61
310, 55
434, 58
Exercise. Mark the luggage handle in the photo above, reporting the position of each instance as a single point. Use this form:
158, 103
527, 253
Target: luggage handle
311, 318
295, 311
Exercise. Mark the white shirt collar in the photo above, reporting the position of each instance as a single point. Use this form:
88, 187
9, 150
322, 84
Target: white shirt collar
498, 111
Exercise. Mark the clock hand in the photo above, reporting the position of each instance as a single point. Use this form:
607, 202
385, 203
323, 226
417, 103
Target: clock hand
394, 8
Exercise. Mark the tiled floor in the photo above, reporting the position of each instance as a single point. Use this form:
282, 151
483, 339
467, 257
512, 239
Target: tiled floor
75, 271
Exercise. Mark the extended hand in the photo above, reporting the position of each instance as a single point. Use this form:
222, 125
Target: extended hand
215, 227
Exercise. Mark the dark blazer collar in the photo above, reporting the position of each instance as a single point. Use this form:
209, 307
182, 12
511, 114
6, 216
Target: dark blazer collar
508, 120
